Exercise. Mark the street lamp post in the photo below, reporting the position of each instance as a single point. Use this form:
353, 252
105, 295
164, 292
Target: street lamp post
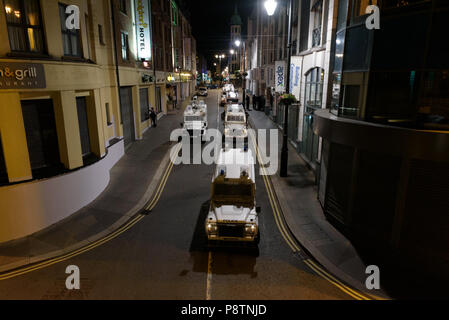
220, 57
270, 6
238, 43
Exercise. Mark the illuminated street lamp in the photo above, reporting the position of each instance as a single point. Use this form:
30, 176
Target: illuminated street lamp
237, 43
219, 57
270, 6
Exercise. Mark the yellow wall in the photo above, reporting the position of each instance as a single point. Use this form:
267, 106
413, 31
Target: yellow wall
64, 81
12, 131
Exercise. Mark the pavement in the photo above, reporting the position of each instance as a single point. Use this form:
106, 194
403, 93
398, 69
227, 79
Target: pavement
133, 181
298, 197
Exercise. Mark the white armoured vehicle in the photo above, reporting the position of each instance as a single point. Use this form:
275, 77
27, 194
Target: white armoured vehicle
195, 119
233, 215
235, 126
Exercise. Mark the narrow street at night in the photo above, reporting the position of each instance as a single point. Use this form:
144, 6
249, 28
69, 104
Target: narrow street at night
224, 159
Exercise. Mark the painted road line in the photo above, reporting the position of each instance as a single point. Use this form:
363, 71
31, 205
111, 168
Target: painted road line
272, 199
209, 277
286, 235
99, 242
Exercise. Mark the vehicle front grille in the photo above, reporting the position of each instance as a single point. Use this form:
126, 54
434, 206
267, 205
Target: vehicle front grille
231, 230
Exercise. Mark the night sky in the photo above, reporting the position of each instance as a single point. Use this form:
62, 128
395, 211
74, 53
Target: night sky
210, 20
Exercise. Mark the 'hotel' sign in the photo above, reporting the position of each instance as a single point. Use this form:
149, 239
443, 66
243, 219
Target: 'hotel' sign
21, 76
143, 28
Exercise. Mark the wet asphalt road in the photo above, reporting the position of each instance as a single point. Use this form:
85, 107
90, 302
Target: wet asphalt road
164, 255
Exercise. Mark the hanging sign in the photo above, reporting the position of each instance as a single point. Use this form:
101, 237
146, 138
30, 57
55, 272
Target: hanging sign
143, 28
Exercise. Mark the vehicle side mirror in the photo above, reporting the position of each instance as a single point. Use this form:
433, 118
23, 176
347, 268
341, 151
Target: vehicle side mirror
258, 210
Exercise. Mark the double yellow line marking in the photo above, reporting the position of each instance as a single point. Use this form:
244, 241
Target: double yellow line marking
99, 242
289, 239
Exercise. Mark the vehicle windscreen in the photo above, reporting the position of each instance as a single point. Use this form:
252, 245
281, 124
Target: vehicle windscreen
226, 190
192, 118
237, 192
232, 118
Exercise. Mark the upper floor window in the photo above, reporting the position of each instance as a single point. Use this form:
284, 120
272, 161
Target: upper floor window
125, 46
314, 88
123, 6
317, 11
174, 13
71, 39
24, 25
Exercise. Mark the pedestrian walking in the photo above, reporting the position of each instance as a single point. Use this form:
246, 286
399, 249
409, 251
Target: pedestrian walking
254, 102
262, 103
247, 102
153, 117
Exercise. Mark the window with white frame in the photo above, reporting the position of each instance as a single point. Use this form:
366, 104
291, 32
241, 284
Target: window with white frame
317, 13
71, 38
314, 88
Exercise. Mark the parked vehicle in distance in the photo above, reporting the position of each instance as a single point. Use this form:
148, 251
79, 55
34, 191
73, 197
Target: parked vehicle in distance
233, 214
232, 97
195, 119
202, 91
235, 127
223, 100
229, 87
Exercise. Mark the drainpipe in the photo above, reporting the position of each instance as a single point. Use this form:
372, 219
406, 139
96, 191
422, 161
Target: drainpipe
117, 73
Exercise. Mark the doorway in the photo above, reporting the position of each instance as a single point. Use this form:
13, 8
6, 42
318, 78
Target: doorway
42, 138
127, 114
158, 100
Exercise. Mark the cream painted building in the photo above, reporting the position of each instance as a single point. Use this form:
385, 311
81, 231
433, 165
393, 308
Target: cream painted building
70, 102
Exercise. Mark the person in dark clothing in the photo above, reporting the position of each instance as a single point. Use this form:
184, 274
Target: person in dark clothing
262, 103
254, 102
247, 102
153, 117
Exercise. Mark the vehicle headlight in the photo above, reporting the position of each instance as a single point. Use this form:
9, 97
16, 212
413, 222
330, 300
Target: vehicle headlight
211, 227
251, 229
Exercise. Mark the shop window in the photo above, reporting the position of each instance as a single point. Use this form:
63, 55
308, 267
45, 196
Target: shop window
392, 97
401, 3
83, 123
124, 45
359, 7
433, 103
100, 34
351, 98
71, 39
144, 105
42, 139
108, 115
24, 23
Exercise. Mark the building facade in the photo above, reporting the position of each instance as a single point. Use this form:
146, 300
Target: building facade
383, 176
372, 117
72, 100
